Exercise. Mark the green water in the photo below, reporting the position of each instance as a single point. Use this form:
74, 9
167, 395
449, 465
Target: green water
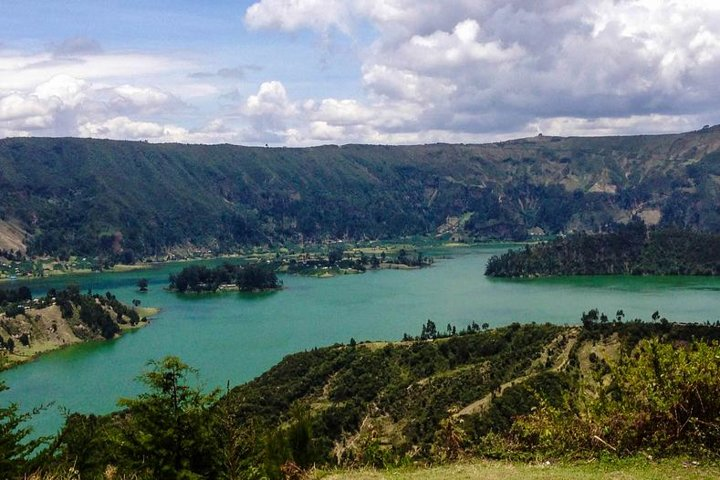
232, 337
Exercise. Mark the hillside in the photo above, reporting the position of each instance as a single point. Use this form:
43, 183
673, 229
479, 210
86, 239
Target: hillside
382, 404
126, 200
62, 318
627, 250
529, 393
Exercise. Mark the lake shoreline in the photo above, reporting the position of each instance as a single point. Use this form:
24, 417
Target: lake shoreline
237, 337
37, 349
313, 251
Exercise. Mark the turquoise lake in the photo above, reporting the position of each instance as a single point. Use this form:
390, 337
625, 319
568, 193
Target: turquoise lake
234, 337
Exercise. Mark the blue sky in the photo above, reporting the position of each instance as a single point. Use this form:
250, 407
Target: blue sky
307, 72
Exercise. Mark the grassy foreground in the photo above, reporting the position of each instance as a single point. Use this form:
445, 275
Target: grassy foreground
492, 470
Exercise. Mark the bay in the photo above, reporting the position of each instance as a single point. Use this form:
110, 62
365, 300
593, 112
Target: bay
231, 338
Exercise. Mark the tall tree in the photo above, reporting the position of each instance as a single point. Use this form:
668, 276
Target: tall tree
15, 448
170, 427
142, 284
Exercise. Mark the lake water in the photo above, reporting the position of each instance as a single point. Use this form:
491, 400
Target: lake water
234, 337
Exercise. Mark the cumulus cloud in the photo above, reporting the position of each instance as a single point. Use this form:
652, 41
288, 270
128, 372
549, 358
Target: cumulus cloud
43, 94
125, 128
271, 100
483, 68
132, 98
294, 14
427, 71
19, 111
269, 112
63, 90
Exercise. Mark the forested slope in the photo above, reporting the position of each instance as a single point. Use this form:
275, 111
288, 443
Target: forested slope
629, 249
99, 197
609, 388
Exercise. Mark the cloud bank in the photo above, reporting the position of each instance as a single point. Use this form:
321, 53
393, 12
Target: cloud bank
460, 71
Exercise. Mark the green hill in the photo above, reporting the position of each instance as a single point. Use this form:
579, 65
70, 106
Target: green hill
606, 389
59, 319
65, 196
628, 250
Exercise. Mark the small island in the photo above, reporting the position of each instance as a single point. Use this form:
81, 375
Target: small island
630, 249
338, 261
252, 277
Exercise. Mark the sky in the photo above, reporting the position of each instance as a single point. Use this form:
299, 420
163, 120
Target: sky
310, 72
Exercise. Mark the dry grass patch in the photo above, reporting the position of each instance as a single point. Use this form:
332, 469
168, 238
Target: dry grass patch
492, 470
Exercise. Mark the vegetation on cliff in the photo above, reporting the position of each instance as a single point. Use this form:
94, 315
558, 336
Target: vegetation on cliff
630, 249
149, 199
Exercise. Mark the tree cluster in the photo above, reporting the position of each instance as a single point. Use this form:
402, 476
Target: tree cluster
12, 300
630, 249
21, 294
89, 314
247, 278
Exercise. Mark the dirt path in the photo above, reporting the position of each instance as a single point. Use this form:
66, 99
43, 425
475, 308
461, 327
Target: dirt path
560, 362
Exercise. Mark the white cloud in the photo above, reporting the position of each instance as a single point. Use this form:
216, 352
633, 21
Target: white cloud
428, 70
295, 14
460, 48
270, 100
46, 96
17, 107
635, 124
141, 99
21, 72
397, 83
341, 112
324, 132
123, 128
486, 68
63, 90
269, 112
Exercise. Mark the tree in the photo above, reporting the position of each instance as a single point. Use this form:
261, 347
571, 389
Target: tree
24, 293
402, 256
336, 254
170, 427
15, 448
374, 261
142, 284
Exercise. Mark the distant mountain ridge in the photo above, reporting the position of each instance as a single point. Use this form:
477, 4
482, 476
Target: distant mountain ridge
63, 196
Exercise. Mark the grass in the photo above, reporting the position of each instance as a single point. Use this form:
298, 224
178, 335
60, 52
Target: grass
147, 311
635, 468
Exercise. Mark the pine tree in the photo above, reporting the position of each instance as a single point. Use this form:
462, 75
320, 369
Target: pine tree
15, 449
170, 427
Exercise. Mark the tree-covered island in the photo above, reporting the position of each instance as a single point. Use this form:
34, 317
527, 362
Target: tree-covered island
262, 275
341, 261
245, 278
630, 249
